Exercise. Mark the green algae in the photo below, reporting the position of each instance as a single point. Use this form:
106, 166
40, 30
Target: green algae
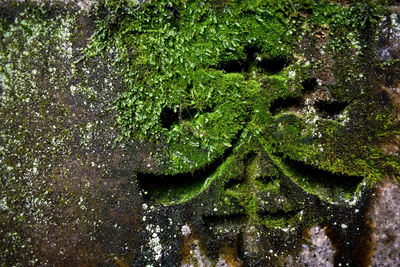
32, 134
46, 120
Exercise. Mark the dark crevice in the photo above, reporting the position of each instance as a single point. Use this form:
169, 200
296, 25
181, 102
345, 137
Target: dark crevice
224, 219
270, 65
284, 104
306, 10
233, 66
324, 178
330, 109
188, 113
309, 85
174, 15
174, 12
273, 65
172, 187
241, 65
279, 214
252, 53
249, 157
233, 184
382, 97
7, 15
169, 117
267, 179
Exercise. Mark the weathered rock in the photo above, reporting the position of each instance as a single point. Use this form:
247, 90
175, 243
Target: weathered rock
383, 215
319, 252
388, 37
258, 136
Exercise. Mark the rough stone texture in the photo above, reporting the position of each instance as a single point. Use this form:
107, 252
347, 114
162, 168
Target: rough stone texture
61, 181
388, 39
69, 195
318, 252
384, 217
194, 255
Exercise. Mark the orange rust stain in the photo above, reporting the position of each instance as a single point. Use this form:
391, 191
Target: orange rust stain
229, 253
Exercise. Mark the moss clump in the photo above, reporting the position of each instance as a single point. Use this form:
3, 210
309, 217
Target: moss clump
203, 77
177, 56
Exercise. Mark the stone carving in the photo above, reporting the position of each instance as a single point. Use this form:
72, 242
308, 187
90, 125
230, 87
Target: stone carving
248, 134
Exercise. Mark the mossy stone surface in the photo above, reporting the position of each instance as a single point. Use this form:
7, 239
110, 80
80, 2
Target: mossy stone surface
149, 130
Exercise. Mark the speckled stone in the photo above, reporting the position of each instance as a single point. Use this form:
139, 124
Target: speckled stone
84, 5
73, 200
318, 252
384, 215
388, 37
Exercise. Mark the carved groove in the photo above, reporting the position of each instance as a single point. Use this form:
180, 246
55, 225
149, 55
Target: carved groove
284, 104
172, 187
324, 178
330, 109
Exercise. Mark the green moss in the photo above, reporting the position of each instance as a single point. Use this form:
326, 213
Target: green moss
272, 187
280, 223
203, 65
181, 193
173, 55
199, 83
